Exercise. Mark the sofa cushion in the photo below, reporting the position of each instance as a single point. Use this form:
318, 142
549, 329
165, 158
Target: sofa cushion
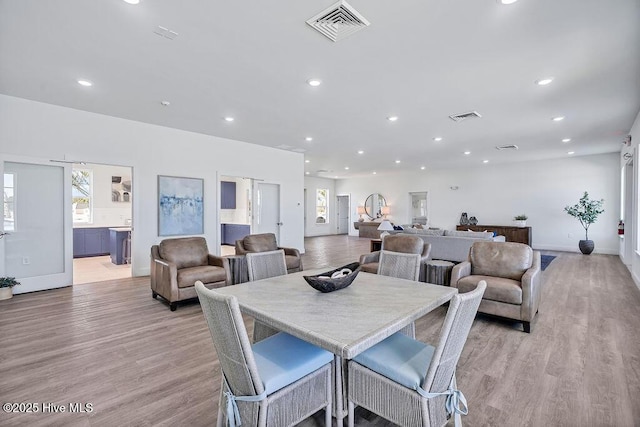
472, 234
260, 242
498, 288
371, 267
403, 244
431, 232
206, 274
500, 259
292, 261
185, 252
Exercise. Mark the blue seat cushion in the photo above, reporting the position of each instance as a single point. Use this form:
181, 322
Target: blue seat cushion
399, 358
283, 359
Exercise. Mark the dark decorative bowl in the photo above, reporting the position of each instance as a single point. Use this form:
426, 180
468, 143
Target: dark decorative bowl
324, 283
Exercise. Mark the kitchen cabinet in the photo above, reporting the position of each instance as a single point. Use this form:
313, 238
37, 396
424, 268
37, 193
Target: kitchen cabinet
228, 195
120, 245
92, 241
232, 232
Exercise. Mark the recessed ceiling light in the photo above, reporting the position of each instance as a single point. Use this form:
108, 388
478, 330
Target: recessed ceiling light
558, 119
467, 153
507, 1
85, 83
165, 103
392, 118
437, 138
132, 1
306, 173
571, 152
346, 168
375, 172
314, 82
423, 167
545, 81
229, 119
566, 140
485, 161
360, 152
397, 161
308, 139
307, 161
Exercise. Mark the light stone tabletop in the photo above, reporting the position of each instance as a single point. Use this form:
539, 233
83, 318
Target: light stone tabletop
345, 322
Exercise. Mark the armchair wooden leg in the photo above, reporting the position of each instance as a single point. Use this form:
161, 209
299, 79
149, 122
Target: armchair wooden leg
527, 327
173, 306
154, 294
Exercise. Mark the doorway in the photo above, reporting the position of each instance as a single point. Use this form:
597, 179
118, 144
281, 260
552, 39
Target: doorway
342, 214
235, 211
102, 197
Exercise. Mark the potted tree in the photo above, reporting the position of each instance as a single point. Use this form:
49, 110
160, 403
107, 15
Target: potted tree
520, 220
6, 287
586, 211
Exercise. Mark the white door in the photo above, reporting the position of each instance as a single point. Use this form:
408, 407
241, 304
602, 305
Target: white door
268, 209
343, 215
37, 246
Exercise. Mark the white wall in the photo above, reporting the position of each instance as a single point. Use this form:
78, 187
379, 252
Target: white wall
47, 131
107, 213
496, 193
311, 184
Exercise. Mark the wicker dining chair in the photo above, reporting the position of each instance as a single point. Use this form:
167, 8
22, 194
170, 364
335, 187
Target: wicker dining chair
263, 265
400, 265
279, 381
411, 383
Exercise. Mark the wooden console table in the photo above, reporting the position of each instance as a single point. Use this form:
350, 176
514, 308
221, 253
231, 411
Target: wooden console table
511, 234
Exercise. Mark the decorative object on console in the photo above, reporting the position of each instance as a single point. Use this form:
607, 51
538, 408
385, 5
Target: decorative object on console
586, 211
473, 221
361, 212
6, 287
520, 220
334, 280
464, 220
385, 227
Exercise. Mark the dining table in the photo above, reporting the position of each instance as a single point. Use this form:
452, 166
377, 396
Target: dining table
345, 322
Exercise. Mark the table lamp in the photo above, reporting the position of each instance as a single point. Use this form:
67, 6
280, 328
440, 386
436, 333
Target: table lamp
385, 210
385, 226
361, 212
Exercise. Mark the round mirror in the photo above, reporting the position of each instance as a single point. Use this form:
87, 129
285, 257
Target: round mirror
373, 205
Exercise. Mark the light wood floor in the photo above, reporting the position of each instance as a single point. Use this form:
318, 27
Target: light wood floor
98, 269
112, 345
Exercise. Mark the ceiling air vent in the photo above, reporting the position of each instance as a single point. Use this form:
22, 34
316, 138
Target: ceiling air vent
338, 21
507, 147
464, 116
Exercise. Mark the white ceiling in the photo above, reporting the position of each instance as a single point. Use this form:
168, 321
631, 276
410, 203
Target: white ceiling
420, 60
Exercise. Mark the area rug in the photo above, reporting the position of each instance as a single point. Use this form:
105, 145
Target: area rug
546, 260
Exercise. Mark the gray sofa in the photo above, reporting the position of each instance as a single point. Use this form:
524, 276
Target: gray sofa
450, 245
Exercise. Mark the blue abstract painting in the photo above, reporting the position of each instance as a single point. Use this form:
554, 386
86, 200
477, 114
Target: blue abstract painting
180, 206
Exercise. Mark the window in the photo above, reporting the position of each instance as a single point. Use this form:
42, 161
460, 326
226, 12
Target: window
82, 183
322, 206
9, 202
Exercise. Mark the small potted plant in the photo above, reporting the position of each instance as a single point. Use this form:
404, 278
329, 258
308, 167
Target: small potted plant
6, 287
521, 220
586, 211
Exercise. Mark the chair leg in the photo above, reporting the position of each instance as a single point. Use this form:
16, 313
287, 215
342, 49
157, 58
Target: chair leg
154, 294
351, 413
173, 306
327, 415
527, 327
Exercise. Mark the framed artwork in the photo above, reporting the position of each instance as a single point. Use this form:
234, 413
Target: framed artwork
180, 206
120, 188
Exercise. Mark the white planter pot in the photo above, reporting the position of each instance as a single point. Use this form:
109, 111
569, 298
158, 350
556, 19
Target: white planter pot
6, 293
520, 223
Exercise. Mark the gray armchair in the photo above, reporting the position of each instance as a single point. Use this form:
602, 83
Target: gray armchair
176, 265
512, 272
267, 242
402, 243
